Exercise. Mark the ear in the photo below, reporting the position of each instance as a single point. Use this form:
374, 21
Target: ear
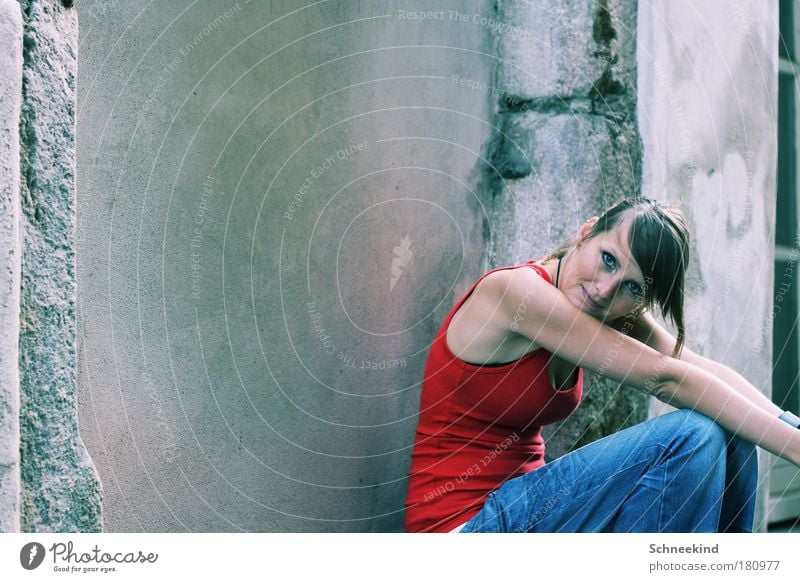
583, 232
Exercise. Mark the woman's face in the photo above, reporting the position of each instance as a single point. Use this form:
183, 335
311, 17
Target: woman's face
600, 275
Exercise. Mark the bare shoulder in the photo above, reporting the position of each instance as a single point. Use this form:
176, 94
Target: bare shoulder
482, 329
523, 280
497, 284
524, 289
484, 303
512, 290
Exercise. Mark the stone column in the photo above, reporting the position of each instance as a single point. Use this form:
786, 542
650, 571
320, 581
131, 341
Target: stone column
566, 146
59, 486
10, 97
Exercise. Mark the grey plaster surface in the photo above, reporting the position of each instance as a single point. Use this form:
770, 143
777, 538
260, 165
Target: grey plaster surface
707, 111
277, 205
10, 101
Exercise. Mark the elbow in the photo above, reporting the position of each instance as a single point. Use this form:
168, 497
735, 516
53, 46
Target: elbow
664, 384
668, 394
665, 390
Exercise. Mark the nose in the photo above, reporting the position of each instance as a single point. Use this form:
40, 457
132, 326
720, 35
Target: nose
606, 288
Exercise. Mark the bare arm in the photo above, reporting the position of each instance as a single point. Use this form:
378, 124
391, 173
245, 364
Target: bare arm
646, 329
545, 316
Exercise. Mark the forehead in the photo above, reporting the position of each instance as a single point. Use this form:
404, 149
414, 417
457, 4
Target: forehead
617, 239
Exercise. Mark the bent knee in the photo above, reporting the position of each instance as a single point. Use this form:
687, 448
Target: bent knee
696, 430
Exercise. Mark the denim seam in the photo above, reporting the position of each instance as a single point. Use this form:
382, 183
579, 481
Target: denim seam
661, 498
498, 511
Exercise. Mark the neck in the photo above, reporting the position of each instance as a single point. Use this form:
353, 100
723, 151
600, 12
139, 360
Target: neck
551, 266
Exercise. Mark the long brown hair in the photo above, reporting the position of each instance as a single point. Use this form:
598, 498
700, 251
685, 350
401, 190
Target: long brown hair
659, 243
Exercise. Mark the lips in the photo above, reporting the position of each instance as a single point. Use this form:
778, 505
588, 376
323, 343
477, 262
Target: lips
592, 303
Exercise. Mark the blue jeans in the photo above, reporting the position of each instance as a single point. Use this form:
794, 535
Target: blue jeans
679, 472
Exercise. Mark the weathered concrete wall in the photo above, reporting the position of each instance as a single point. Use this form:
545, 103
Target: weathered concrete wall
10, 101
60, 488
708, 83
566, 147
277, 206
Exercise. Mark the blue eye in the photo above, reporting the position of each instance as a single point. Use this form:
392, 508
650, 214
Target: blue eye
634, 287
609, 260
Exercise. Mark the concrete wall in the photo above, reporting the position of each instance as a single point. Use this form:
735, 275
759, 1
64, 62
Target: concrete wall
707, 107
277, 206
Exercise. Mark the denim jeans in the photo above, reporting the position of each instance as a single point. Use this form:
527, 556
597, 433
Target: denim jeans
679, 472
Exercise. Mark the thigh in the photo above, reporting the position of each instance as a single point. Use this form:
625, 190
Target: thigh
583, 490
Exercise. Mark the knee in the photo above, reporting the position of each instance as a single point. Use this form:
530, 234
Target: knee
711, 444
699, 433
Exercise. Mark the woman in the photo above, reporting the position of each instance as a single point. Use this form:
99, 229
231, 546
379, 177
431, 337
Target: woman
508, 359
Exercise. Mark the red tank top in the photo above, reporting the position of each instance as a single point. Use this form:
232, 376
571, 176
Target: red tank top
478, 426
